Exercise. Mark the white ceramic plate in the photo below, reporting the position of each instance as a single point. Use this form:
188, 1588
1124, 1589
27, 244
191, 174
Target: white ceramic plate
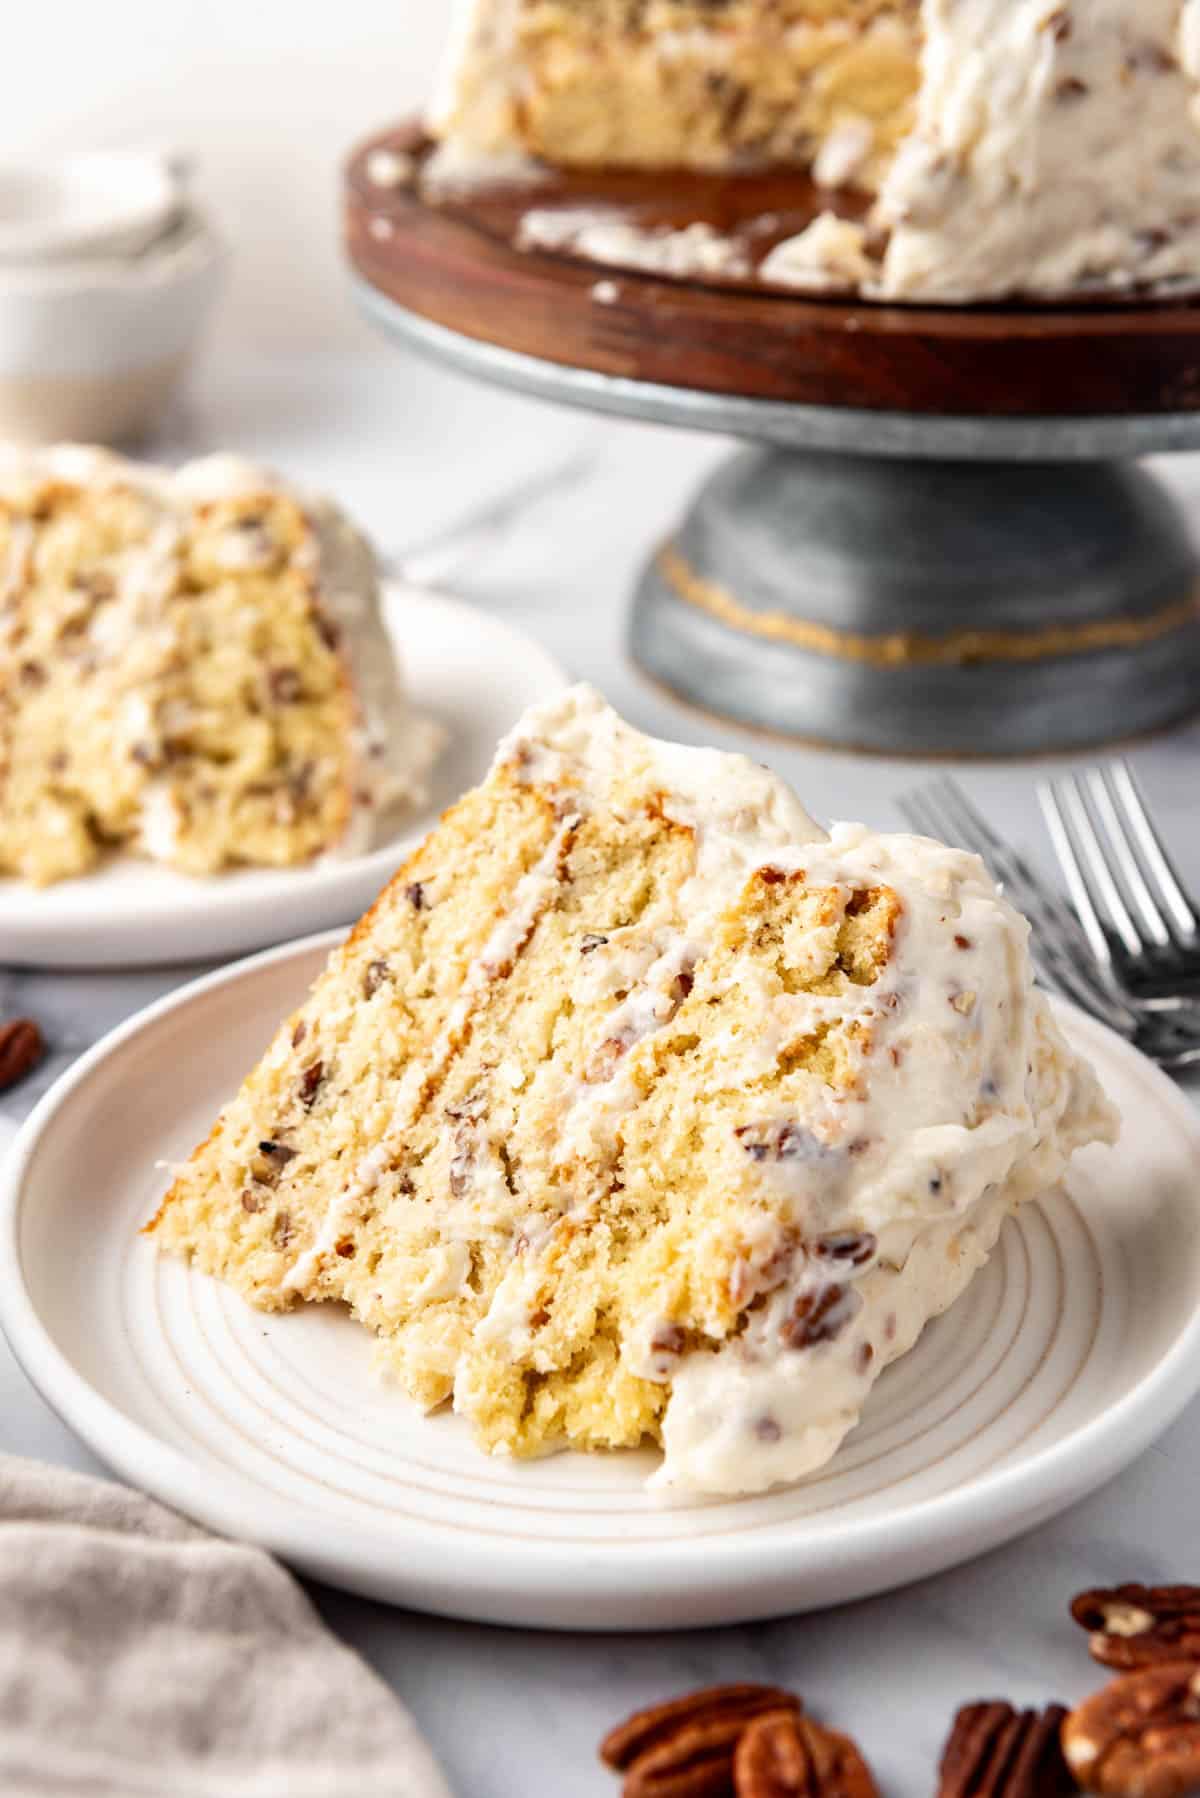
467, 669
1073, 1349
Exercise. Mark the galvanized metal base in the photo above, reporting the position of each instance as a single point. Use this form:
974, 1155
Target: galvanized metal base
928, 607
901, 582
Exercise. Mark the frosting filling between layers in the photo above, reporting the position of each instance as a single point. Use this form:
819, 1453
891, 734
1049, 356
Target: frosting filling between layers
851, 1211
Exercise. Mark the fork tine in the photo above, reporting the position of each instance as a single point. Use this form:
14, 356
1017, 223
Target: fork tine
1127, 861
912, 804
1180, 1061
1183, 912
971, 830
979, 835
971, 820
1011, 866
1094, 871
1070, 982
922, 810
1059, 948
1068, 861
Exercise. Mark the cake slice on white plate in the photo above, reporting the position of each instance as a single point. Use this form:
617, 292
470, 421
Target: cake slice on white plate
641, 1109
193, 668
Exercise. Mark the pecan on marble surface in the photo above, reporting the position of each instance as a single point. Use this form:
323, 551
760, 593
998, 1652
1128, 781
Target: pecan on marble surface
996, 1751
1140, 1626
685, 1748
21, 1048
1140, 1736
786, 1755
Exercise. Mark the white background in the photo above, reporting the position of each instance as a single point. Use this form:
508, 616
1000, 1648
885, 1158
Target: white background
268, 95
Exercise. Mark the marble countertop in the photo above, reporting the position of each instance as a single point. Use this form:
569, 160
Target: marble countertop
411, 450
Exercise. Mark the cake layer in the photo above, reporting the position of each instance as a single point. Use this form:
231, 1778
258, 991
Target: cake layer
1014, 146
357, 1063
192, 666
640, 1109
665, 83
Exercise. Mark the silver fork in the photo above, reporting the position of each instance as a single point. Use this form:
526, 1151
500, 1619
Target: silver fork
959, 819
1061, 951
1140, 922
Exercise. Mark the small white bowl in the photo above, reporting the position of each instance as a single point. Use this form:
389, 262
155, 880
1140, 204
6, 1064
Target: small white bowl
91, 349
104, 203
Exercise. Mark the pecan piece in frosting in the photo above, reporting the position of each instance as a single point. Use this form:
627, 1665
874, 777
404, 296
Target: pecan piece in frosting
608, 1057
272, 1158
783, 1140
1140, 1736
855, 1246
1140, 1626
685, 1748
783, 1755
309, 1084
821, 1316
285, 686
995, 1751
374, 975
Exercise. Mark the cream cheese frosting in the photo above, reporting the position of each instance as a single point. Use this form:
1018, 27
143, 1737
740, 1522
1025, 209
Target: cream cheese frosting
890, 1198
641, 1107
868, 1214
1056, 147
1055, 150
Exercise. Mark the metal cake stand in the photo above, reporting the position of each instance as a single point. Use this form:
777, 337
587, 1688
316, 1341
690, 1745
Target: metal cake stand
877, 578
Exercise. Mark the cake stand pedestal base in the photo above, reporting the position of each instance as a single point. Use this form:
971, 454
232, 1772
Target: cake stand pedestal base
928, 607
940, 542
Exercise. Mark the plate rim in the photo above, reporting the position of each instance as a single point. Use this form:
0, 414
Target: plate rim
222, 895
982, 1513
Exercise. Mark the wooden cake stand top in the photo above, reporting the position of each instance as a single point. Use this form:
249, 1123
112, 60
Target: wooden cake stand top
455, 264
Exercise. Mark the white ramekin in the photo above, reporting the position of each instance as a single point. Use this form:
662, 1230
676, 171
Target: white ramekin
93, 203
90, 350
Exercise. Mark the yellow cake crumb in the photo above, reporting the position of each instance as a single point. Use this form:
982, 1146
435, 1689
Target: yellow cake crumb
175, 679
592, 1095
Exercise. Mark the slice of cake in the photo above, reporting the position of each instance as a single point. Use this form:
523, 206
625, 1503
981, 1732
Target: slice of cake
640, 1109
1010, 146
193, 667
684, 83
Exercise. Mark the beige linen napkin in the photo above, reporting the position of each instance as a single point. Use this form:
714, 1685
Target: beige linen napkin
140, 1655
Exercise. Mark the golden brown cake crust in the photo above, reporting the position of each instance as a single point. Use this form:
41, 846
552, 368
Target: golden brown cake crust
631, 1077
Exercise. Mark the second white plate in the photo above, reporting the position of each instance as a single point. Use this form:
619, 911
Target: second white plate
464, 667
1077, 1344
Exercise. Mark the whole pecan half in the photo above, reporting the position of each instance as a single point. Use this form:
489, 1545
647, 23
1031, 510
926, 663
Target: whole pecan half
21, 1048
772, 1760
684, 1749
785, 1755
995, 1751
1140, 1736
1140, 1626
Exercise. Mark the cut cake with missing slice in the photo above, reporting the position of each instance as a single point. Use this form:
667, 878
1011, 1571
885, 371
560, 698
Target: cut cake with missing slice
638, 1108
1007, 147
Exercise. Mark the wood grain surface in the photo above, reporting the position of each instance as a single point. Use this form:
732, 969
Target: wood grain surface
454, 263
